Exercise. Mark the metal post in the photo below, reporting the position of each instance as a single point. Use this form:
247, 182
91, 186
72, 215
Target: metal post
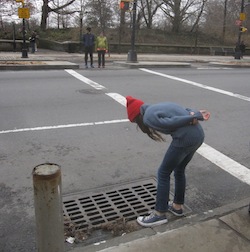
132, 55
81, 23
80, 38
14, 36
48, 208
24, 47
237, 49
81, 17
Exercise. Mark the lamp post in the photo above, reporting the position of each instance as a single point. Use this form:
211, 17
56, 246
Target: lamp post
237, 49
23, 13
81, 17
14, 36
132, 55
24, 47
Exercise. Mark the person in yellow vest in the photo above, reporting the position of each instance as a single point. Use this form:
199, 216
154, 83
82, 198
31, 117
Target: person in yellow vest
101, 48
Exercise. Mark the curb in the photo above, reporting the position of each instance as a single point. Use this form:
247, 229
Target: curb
231, 64
151, 64
43, 65
170, 226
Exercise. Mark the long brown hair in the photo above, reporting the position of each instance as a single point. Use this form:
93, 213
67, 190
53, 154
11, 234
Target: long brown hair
153, 134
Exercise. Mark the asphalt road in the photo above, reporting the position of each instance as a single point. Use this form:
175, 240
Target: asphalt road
114, 152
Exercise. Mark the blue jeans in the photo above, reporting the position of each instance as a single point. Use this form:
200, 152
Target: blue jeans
176, 159
88, 51
33, 46
101, 57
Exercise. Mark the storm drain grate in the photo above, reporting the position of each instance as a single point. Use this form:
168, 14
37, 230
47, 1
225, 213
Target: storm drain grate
104, 205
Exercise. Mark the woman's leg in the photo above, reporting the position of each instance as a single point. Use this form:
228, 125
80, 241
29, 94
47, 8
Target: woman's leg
180, 180
32, 47
99, 58
180, 177
86, 57
173, 157
103, 58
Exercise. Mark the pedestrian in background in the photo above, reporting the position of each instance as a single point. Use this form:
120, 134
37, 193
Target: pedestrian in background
242, 48
187, 136
33, 42
89, 44
101, 48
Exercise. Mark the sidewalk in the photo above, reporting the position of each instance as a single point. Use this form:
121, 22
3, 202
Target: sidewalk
47, 59
225, 229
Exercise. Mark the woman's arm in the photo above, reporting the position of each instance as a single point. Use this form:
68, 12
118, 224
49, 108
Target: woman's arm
160, 121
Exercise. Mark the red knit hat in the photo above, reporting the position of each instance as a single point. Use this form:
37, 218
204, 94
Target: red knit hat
133, 107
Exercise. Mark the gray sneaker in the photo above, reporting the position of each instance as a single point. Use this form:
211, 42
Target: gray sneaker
174, 211
152, 220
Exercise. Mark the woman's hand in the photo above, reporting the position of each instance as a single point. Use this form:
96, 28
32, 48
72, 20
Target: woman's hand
194, 121
205, 114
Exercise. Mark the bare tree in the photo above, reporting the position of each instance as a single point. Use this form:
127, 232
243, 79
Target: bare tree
148, 9
7, 9
46, 9
224, 21
220, 27
199, 13
100, 13
180, 11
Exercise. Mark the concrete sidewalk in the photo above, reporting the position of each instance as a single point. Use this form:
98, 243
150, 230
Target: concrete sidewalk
47, 59
225, 229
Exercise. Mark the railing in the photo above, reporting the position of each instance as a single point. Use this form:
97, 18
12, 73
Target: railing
76, 47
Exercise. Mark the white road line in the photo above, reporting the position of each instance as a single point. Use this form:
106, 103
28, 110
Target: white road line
119, 98
242, 97
63, 126
84, 79
214, 68
227, 164
237, 170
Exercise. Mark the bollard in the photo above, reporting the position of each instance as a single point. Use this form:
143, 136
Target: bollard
48, 208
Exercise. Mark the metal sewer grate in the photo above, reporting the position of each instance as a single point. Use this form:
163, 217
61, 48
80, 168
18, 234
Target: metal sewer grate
105, 205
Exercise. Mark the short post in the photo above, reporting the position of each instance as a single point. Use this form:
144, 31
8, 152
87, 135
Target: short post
48, 208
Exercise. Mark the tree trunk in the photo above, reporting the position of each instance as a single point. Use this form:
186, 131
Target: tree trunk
177, 16
224, 21
45, 14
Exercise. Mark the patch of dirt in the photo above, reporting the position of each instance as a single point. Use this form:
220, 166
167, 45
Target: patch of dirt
71, 230
120, 226
116, 228
22, 63
237, 63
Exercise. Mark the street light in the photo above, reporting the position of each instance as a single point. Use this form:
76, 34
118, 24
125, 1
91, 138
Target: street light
242, 18
132, 55
81, 23
23, 13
